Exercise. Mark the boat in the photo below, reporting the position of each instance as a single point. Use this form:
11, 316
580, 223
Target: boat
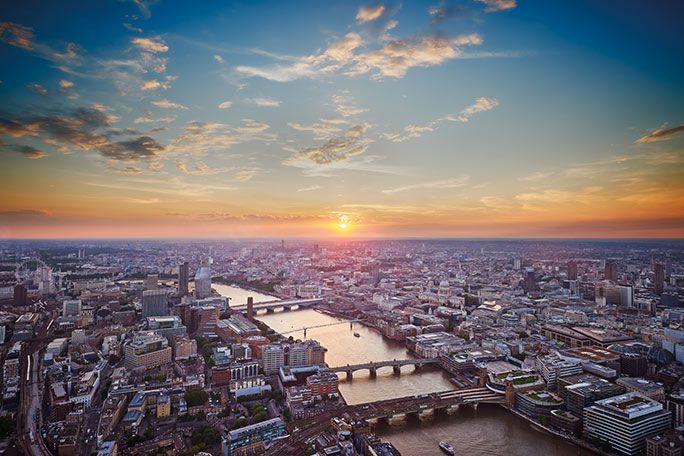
357, 334
448, 449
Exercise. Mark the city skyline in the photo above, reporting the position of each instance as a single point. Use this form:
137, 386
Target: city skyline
482, 118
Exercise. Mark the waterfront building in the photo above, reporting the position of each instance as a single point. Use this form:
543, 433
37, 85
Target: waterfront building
580, 391
554, 366
254, 438
203, 282
536, 404
626, 421
154, 303
148, 350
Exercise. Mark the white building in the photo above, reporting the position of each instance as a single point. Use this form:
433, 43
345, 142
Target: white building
203, 282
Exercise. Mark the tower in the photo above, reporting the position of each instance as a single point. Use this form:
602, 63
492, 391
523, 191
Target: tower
572, 270
250, 308
659, 283
183, 278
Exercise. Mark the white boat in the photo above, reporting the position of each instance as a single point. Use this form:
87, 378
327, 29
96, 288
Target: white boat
448, 449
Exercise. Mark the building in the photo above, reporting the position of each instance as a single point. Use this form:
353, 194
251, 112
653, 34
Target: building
148, 350
152, 282
183, 279
554, 366
236, 326
167, 325
203, 282
184, 347
163, 406
580, 391
572, 270
71, 308
20, 295
659, 279
154, 303
675, 404
611, 271
625, 422
537, 403
204, 320
273, 358
254, 438
667, 444
647, 388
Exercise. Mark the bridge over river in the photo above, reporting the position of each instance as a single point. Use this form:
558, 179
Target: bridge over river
373, 366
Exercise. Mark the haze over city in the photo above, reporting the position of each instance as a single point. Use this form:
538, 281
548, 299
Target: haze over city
483, 118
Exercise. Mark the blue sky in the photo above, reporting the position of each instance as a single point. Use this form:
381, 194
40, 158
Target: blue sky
451, 118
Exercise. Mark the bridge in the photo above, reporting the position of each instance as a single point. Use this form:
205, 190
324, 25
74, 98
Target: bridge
351, 326
286, 304
373, 366
420, 405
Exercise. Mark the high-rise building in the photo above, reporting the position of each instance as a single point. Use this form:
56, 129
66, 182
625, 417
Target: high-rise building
204, 319
154, 303
250, 308
626, 421
151, 282
20, 295
183, 279
273, 358
71, 308
203, 282
659, 281
572, 270
611, 271
252, 439
517, 264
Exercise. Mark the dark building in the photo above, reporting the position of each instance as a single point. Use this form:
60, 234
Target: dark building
580, 391
633, 364
530, 282
183, 279
659, 282
572, 270
250, 308
611, 271
20, 295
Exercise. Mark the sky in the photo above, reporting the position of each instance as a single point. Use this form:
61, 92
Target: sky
471, 118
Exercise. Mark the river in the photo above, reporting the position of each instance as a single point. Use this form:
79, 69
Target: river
489, 430
238, 296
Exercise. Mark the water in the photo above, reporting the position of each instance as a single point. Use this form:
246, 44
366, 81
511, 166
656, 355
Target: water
238, 296
489, 430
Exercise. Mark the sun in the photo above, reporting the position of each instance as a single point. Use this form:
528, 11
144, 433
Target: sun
343, 226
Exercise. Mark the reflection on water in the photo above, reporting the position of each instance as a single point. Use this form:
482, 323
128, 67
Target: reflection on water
489, 430
238, 296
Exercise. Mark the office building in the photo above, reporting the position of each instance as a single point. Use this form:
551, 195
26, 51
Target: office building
20, 295
154, 303
254, 438
554, 366
184, 347
572, 270
148, 350
273, 358
659, 279
611, 271
166, 325
71, 308
152, 282
626, 421
537, 403
203, 282
183, 279
647, 388
675, 404
580, 391
204, 320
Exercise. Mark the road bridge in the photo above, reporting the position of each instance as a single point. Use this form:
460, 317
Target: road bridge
286, 304
373, 366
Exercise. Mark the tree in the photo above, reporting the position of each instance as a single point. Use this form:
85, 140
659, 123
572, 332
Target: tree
6, 425
196, 397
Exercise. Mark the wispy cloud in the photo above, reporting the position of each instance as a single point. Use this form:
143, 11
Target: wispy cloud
310, 188
492, 6
263, 102
661, 134
225, 105
369, 13
339, 148
154, 45
166, 104
457, 182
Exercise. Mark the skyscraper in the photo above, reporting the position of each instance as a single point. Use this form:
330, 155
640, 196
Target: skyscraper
20, 293
659, 282
203, 282
183, 278
611, 271
572, 270
250, 308
154, 303
151, 282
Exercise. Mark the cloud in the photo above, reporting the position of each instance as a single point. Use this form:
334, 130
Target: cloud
132, 28
661, 134
444, 11
202, 137
30, 152
492, 6
141, 148
154, 45
336, 149
225, 105
264, 102
536, 176
39, 89
481, 104
345, 105
393, 59
63, 83
457, 182
415, 131
218, 58
147, 118
153, 84
309, 189
16, 35
23, 213
323, 129
369, 13
166, 104
125, 169
144, 7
